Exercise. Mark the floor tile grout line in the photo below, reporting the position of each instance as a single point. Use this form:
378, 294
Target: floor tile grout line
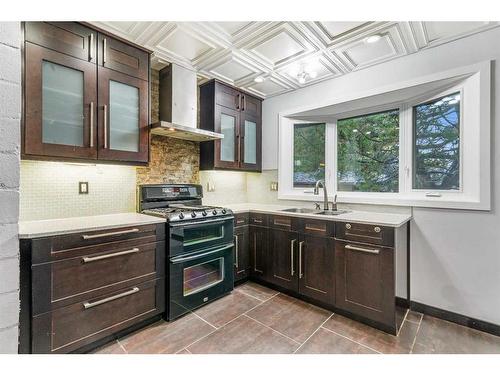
248, 295
416, 334
311, 335
272, 329
121, 346
199, 317
354, 341
222, 326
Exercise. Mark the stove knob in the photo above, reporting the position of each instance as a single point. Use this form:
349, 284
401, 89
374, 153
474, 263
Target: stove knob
181, 216
204, 213
193, 214
214, 212
224, 211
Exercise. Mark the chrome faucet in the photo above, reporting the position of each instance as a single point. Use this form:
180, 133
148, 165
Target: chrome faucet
316, 192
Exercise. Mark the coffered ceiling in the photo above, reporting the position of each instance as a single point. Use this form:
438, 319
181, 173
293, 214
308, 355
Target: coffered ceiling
239, 52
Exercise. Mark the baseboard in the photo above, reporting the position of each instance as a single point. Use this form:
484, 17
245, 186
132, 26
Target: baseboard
402, 302
450, 316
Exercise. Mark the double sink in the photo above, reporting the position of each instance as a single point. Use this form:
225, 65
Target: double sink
315, 212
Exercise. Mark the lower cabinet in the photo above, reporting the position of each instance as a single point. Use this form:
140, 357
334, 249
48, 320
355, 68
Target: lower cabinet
241, 253
365, 281
283, 258
316, 268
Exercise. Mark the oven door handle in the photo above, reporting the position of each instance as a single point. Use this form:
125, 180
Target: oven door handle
197, 256
200, 222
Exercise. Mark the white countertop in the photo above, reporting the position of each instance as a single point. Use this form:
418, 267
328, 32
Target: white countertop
364, 217
56, 227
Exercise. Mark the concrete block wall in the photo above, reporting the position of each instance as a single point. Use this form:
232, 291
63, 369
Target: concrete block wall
10, 115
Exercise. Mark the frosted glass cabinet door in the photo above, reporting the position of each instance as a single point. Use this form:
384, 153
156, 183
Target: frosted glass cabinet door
250, 142
60, 105
123, 117
63, 119
228, 126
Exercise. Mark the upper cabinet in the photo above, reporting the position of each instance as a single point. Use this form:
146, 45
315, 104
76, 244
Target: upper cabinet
86, 95
237, 115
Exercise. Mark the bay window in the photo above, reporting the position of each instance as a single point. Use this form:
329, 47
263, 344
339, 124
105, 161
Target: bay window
424, 144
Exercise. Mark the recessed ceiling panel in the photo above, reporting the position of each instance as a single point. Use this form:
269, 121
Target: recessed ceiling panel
334, 29
363, 53
266, 88
278, 48
185, 45
232, 70
438, 30
232, 28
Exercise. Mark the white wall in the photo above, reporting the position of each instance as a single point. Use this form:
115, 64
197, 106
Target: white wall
10, 114
455, 254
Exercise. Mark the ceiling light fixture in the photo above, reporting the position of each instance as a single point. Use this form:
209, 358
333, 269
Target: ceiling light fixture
372, 39
303, 72
259, 79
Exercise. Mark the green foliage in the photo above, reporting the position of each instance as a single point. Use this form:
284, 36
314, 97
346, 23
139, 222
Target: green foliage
308, 154
437, 144
368, 153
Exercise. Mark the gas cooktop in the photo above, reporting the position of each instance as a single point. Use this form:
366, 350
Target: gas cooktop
187, 212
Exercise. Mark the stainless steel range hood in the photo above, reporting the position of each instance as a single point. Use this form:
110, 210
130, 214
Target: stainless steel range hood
178, 106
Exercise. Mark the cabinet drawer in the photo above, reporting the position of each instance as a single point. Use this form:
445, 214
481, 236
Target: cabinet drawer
317, 227
71, 327
240, 219
57, 284
69, 38
283, 222
259, 219
368, 233
61, 247
122, 57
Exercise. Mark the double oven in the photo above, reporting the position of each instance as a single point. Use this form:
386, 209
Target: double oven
200, 263
199, 245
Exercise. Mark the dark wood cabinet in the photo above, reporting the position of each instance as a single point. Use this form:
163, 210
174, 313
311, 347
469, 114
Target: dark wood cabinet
283, 262
241, 253
70, 38
83, 287
122, 57
365, 281
259, 252
237, 115
86, 95
316, 268
123, 117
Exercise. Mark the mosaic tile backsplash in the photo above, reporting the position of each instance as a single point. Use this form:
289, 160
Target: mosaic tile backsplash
50, 190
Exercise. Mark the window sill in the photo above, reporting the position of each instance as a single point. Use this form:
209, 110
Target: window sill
391, 199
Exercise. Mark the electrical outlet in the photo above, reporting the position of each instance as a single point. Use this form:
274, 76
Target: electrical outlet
274, 185
83, 187
210, 186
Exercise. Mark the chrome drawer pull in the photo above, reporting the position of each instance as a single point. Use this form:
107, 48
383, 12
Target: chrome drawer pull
240, 221
89, 305
236, 250
376, 229
316, 229
301, 244
92, 236
257, 221
112, 255
356, 248
281, 224
348, 226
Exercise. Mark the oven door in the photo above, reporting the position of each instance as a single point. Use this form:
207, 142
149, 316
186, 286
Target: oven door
199, 278
195, 236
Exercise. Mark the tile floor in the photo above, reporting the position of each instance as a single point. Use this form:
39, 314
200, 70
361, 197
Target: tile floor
255, 319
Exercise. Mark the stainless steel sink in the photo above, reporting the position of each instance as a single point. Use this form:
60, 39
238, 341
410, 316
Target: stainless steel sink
302, 210
332, 213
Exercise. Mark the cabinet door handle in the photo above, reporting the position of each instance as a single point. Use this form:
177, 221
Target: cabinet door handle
112, 255
89, 305
91, 47
292, 247
301, 244
91, 123
100, 235
105, 109
257, 221
362, 249
238, 101
104, 53
238, 137
236, 249
244, 103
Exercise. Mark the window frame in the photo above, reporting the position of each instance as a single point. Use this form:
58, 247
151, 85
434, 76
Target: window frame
474, 85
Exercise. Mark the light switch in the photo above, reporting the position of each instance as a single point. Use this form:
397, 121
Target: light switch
274, 185
83, 187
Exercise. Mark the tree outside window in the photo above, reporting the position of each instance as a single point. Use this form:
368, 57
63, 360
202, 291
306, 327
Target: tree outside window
308, 154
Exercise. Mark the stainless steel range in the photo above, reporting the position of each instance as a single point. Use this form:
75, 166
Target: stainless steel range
199, 248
